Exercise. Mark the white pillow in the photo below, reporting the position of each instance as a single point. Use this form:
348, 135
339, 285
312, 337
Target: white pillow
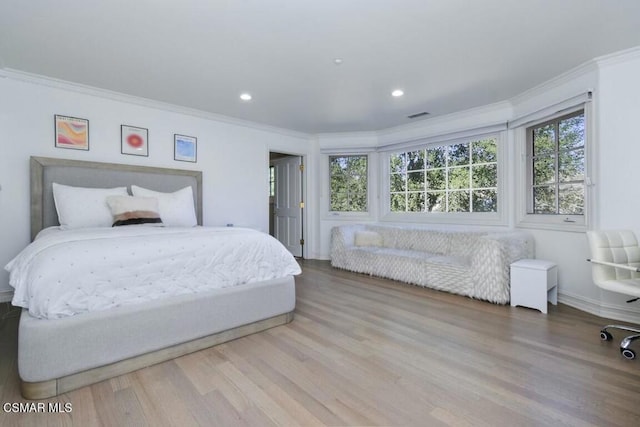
367, 238
176, 209
80, 207
128, 210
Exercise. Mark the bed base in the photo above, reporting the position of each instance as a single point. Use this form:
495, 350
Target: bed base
54, 387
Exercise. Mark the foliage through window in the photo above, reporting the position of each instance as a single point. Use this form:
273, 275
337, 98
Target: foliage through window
272, 181
447, 178
348, 178
556, 150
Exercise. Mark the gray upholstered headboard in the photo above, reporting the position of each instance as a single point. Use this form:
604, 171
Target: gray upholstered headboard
45, 171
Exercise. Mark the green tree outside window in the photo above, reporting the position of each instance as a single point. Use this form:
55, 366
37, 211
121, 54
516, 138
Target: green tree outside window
348, 183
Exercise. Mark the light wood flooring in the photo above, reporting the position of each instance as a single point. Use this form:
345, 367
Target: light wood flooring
368, 351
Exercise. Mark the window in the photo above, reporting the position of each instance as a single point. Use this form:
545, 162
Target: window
556, 166
348, 183
446, 178
272, 181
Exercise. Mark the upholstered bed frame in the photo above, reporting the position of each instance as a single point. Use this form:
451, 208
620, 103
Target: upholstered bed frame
59, 355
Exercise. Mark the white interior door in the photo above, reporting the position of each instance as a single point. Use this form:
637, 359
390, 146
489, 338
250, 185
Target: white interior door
288, 203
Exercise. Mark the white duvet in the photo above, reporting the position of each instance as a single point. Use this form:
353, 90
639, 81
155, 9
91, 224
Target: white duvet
75, 271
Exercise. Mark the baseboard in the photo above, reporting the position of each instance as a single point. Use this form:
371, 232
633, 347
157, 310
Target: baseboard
318, 256
6, 296
608, 311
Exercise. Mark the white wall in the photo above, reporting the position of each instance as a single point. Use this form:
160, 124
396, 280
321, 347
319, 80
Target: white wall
233, 158
619, 156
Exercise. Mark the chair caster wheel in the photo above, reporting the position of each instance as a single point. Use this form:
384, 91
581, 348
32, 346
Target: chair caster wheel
605, 335
628, 353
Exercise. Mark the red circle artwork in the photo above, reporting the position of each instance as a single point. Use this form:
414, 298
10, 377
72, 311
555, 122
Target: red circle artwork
135, 141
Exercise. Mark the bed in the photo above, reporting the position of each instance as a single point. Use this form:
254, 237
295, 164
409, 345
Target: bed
62, 350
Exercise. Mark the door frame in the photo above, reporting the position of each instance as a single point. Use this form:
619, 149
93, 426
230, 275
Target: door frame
303, 189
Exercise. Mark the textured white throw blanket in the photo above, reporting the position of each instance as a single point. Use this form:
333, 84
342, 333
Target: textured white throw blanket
75, 271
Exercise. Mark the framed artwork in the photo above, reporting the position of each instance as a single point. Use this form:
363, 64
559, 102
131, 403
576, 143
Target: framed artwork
71, 132
185, 148
134, 140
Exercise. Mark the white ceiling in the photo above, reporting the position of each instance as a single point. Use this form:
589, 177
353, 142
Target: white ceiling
447, 55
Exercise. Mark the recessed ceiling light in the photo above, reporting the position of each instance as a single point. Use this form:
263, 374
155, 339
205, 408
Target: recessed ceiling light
337, 61
397, 93
245, 96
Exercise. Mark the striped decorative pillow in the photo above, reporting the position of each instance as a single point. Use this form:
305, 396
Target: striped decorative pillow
128, 210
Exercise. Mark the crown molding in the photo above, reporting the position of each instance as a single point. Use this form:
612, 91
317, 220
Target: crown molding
618, 57
484, 116
38, 79
499, 106
567, 77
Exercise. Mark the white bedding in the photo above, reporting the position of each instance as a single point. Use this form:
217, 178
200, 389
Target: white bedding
75, 271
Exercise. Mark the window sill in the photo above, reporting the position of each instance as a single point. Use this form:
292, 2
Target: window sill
348, 216
553, 223
462, 218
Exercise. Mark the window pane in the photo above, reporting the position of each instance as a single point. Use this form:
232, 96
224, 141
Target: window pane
415, 160
436, 179
485, 201
440, 178
459, 201
544, 139
571, 132
458, 178
484, 151
398, 163
544, 200
436, 157
571, 199
339, 201
337, 164
358, 202
544, 170
358, 183
415, 181
485, 176
357, 166
459, 154
571, 165
415, 202
436, 202
557, 168
272, 181
397, 182
339, 182
398, 202
348, 183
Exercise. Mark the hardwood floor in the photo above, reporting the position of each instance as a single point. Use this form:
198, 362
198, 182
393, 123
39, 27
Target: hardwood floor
368, 351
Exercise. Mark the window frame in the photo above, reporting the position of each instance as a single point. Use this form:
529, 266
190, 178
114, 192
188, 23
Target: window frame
500, 217
356, 215
523, 138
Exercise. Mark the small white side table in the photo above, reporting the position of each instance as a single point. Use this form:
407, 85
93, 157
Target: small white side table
533, 283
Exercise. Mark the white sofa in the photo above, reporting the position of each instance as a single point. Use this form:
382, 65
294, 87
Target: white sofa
471, 263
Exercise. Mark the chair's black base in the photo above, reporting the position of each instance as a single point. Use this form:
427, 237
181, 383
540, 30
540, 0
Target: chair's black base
626, 342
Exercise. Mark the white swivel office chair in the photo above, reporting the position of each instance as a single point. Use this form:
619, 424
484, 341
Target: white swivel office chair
615, 258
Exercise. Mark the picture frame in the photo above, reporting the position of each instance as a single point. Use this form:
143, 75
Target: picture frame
71, 132
185, 148
134, 140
